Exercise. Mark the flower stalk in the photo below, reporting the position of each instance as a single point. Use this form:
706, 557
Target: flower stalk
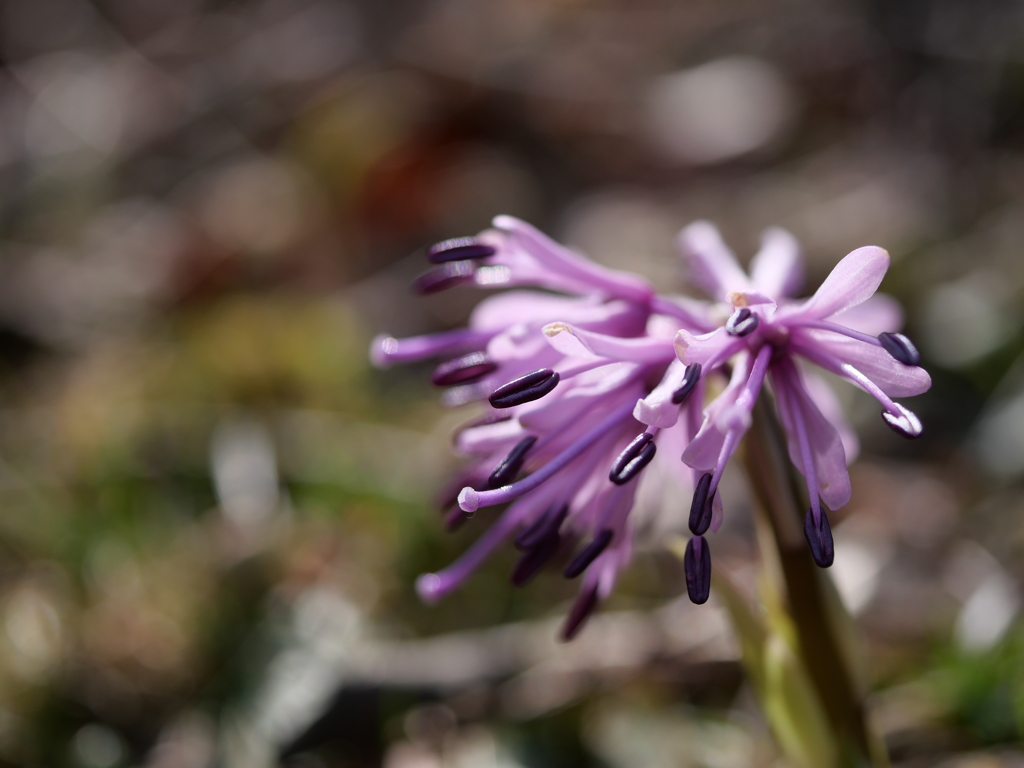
822, 628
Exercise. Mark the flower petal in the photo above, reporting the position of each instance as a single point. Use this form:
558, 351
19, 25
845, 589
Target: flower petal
825, 399
777, 269
877, 315
657, 409
825, 443
713, 266
851, 282
699, 349
892, 377
576, 342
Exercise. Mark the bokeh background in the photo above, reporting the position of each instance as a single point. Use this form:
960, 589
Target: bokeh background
212, 510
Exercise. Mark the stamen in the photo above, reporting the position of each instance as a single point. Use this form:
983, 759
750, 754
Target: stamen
463, 369
471, 500
742, 323
900, 348
582, 561
690, 378
819, 537
506, 472
525, 389
387, 350
444, 277
580, 612
697, 565
638, 454
459, 248
700, 507
543, 528
906, 423
530, 562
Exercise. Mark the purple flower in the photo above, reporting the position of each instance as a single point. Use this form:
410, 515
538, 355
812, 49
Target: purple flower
843, 328
562, 374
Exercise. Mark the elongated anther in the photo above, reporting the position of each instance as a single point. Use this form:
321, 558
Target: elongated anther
580, 612
588, 554
900, 348
463, 370
635, 457
743, 322
906, 423
690, 378
459, 248
697, 565
525, 389
819, 538
700, 507
445, 276
533, 560
544, 527
506, 472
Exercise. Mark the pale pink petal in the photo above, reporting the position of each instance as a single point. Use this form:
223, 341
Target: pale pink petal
851, 282
713, 266
825, 443
495, 312
576, 342
702, 452
657, 409
879, 314
777, 269
487, 438
892, 377
825, 399
559, 259
709, 346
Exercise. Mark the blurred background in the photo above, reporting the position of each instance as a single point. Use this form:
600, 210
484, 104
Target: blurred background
212, 510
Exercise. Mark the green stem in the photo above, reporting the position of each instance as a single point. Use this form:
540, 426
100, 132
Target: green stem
808, 594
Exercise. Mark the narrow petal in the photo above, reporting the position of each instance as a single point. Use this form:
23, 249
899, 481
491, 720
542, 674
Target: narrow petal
713, 266
851, 282
714, 346
562, 260
825, 399
657, 409
777, 269
576, 342
826, 445
879, 314
892, 377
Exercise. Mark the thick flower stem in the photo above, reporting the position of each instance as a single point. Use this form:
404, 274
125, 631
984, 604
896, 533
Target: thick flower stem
807, 594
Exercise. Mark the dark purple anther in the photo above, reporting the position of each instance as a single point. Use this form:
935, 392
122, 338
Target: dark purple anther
905, 422
582, 561
819, 537
900, 348
697, 564
506, 472
532, 560
700, 507
580, 612
543, 528
690, 378
446, 276
525, 389
457, 249
638, 454
742, 323
463, 369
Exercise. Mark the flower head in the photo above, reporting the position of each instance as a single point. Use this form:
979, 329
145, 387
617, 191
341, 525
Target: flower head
843, 328
561, 375
597, 379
